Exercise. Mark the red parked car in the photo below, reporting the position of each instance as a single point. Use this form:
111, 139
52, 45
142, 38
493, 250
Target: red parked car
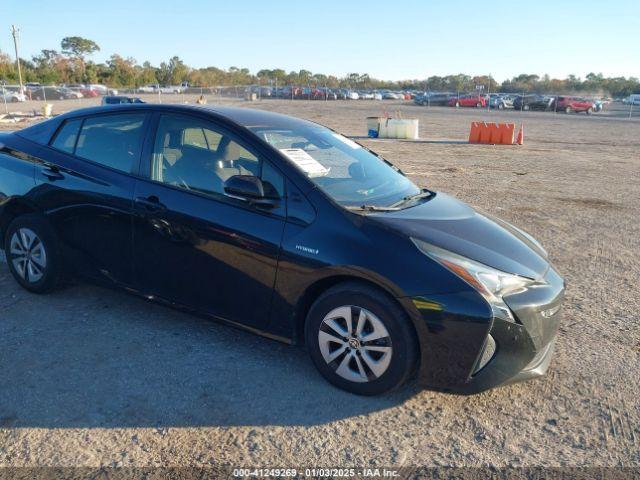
575, 104
468, 101
88, 93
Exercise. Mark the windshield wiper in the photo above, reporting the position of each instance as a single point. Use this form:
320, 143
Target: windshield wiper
372, 208
394, 206
417, 196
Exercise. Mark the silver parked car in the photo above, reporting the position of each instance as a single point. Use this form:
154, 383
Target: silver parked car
501, 101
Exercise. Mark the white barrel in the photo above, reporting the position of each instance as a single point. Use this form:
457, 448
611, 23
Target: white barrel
399, 128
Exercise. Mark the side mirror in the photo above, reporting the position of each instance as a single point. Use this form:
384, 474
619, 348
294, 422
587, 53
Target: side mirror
248, 188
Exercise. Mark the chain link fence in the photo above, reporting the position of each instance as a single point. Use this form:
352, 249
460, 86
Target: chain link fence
478, 97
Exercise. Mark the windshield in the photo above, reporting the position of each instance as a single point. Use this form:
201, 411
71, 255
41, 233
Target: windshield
350, 174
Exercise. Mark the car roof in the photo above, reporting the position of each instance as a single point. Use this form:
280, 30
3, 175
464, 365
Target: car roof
246, 117
250, 117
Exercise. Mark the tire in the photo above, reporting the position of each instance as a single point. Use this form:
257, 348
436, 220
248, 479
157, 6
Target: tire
372, 368
14, 100
33, 236
589, 111
568, 110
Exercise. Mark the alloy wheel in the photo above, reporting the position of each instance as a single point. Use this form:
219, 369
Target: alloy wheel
28, 255
355, 343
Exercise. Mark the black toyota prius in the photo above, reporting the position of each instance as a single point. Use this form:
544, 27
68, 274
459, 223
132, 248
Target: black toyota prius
285, 228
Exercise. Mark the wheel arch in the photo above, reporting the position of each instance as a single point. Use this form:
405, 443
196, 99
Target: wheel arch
12, 210
316, 289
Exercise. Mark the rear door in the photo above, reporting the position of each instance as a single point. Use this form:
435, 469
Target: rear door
85, 187
194, 245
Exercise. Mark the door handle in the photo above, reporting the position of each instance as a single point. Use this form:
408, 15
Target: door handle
52, 173
150, 203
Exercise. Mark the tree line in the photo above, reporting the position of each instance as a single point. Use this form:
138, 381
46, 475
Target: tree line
71, 64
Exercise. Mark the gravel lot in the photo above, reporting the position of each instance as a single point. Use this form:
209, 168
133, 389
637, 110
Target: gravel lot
93, 377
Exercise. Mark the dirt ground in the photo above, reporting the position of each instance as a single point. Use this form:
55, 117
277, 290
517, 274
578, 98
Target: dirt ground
93, 377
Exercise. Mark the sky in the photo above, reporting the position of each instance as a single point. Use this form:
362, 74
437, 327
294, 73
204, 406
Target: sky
409, 39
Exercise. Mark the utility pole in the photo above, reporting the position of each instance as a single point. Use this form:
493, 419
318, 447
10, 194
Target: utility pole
14, 32
489, 95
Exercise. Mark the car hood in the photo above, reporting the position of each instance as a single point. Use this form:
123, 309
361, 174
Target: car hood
453, 225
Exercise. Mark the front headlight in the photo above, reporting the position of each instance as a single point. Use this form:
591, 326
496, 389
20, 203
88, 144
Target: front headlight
492, 284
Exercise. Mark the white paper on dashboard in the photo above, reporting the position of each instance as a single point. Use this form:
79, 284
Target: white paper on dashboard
346, 141
305, 162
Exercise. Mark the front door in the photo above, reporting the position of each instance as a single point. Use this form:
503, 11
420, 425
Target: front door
194, 245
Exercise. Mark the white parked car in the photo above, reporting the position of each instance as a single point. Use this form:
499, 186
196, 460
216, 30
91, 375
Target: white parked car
12, 96
152, 88
172, 89
70, 93
155, 88
101, 89
632, 99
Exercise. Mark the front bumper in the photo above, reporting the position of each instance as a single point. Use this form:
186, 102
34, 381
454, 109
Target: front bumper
466, 352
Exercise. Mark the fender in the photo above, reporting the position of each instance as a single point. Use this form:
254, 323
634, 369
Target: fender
12, 207
296, 290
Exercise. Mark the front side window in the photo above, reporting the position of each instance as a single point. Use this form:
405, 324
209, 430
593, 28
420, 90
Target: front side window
196, 155
114, 141
351, 175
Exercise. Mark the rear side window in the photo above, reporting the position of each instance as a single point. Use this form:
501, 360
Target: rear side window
66, 138
195, 137
112, 140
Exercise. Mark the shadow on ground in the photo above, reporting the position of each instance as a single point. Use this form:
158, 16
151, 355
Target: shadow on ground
92, 357
435, 142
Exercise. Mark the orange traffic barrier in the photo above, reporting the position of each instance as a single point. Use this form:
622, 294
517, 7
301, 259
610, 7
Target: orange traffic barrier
474, 133
508, 133
502, 134
492, 133
520, 139
485, 133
